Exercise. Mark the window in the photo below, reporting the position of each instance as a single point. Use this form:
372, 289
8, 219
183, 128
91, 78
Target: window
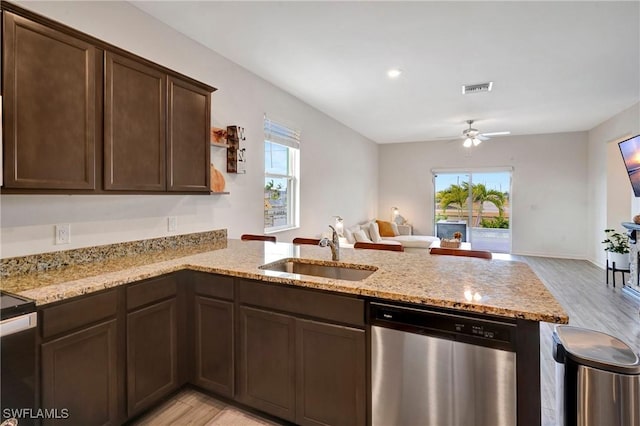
281, 176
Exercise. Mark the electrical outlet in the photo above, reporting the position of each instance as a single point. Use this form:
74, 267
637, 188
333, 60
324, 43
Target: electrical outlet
172, 223
63, 233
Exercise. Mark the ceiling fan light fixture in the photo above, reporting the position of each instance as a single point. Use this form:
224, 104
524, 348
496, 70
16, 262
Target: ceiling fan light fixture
472, 137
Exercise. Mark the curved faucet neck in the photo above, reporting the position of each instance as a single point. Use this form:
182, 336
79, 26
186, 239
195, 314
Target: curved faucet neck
334, 244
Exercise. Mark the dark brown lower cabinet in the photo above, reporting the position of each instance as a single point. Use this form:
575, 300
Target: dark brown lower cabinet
267, 362
152, 354
330, 374
214, 362
79, 374
109, 356
308, 372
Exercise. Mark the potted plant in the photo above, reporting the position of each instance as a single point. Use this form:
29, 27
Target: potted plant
617, 248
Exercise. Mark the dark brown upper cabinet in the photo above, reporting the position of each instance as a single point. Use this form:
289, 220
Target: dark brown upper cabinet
83, 116
134, 125
188, 155
52, 95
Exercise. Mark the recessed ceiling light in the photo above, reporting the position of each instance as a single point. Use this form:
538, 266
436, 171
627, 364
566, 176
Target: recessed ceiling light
394, 72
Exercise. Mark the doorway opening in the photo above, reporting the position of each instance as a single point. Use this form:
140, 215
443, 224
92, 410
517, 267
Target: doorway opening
477, 204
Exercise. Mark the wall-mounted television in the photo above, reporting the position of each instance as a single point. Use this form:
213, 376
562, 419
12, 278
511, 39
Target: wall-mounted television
630, 150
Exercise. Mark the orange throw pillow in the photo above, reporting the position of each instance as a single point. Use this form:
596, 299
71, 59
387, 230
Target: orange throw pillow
385, 228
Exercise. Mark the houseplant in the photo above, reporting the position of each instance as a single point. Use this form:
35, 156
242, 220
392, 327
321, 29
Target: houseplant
617, 248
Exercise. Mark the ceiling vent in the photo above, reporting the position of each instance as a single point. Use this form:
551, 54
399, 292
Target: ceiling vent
477, 88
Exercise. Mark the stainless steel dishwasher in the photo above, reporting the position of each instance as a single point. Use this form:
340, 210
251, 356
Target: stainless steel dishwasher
433, 368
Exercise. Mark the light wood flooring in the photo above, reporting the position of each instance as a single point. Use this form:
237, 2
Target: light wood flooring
580, 287
577, 284
190, 407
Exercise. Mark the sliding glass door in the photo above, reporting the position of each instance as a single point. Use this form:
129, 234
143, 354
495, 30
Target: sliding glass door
476, 204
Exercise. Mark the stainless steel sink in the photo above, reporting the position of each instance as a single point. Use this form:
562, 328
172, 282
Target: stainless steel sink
310, 267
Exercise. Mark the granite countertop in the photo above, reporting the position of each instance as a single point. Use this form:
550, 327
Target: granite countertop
505, 288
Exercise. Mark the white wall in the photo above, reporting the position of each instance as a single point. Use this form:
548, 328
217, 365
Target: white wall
619, 191
549, 186
605, 175
338, 165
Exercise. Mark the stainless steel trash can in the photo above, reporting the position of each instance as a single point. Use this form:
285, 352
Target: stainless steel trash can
597, 379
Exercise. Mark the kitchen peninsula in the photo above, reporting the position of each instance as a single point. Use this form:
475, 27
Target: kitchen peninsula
215, 320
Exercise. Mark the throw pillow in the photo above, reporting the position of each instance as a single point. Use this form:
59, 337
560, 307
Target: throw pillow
394, 226
386, 228
361, 237
365, 227
353, 229
348, 234
374, 232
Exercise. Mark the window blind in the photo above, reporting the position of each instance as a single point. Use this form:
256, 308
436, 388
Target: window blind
281, 134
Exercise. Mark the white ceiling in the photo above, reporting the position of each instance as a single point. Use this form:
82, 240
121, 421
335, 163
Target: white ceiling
556, 66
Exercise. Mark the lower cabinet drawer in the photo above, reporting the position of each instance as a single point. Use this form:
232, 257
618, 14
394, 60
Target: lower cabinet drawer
318, 304
74, 314
151, 290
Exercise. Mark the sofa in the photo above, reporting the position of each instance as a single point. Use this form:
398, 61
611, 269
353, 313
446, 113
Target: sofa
382, 232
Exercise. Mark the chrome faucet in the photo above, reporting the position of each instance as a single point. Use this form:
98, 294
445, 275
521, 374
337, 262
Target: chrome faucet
334, 243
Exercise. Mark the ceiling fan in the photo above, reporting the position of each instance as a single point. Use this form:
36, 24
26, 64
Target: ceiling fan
472, 137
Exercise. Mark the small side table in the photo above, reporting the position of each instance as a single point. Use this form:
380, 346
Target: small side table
613, 270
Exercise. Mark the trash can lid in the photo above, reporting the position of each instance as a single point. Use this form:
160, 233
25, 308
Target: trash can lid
598, 350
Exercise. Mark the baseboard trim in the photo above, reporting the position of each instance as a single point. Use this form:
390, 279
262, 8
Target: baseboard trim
553, 255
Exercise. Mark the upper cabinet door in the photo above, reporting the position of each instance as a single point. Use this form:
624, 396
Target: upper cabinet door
134, 125
188, 158
50, 107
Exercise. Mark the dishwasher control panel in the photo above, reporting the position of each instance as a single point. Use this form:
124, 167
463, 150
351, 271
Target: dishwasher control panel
443, 324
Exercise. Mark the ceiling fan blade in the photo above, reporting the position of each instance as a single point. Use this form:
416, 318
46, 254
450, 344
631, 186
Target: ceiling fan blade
483, 137
444, 138
496, 134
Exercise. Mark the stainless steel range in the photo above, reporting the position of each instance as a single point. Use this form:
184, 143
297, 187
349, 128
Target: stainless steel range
18, 321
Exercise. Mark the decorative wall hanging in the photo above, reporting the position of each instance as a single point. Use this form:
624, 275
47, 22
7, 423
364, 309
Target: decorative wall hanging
236, 160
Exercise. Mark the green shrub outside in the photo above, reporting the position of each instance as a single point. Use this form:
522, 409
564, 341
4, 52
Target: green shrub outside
495, 222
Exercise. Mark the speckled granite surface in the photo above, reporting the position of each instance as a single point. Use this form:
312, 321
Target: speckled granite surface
497, 287
83, 256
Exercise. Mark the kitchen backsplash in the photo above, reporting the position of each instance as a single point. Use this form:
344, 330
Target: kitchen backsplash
55, 260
